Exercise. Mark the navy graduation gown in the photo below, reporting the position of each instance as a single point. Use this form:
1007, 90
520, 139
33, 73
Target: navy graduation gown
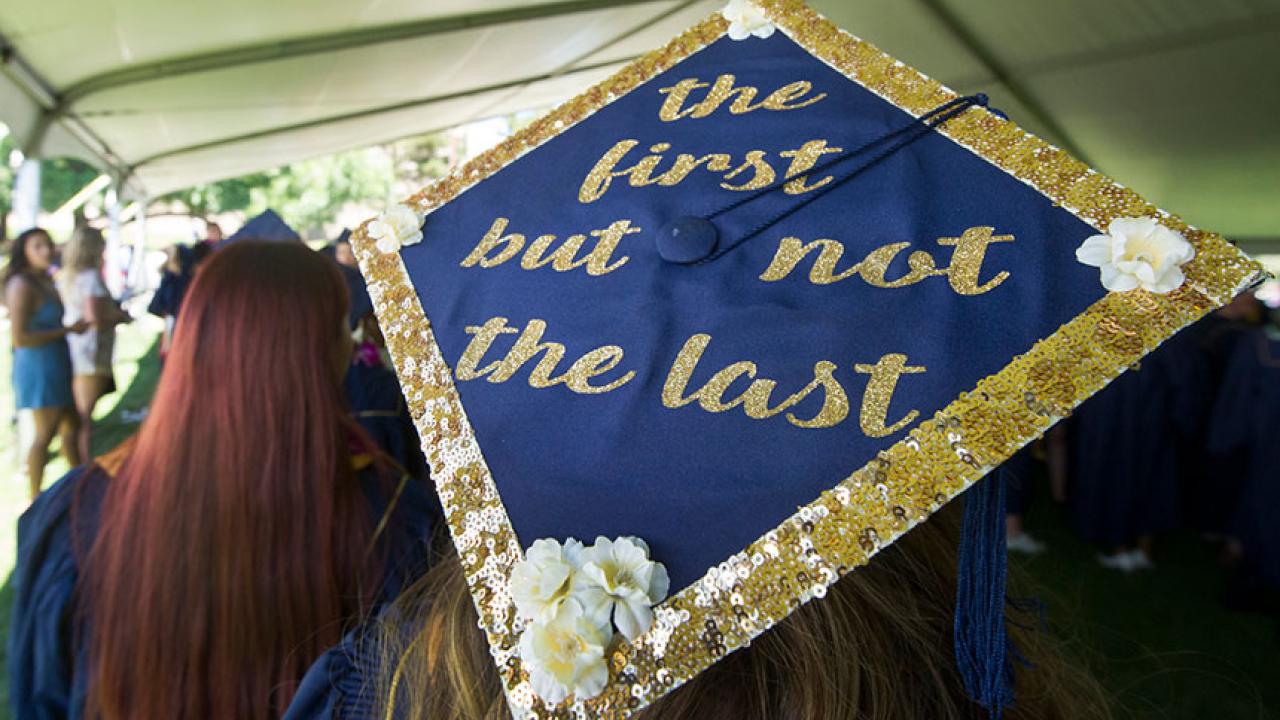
1212, 479
373, 393
1124, 447
1246, 420
47, 667
342, 684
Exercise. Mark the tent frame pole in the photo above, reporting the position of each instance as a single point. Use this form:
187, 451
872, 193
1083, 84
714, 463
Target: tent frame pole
1001, 74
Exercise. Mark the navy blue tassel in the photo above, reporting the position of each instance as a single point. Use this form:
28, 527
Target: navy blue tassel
982, 646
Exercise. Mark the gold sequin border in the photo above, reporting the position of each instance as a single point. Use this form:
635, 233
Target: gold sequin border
841, 530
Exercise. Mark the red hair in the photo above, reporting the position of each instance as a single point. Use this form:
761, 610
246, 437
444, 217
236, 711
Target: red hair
233, 544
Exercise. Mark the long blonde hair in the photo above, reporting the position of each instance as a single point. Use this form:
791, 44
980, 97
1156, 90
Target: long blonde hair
879, 646
83, 251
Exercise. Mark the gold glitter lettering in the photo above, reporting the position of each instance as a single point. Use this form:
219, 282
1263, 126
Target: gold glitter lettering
963, 274
676, 95
787, 97
598, 259
602, 175
835, 404
562, 259
492, 240
802, 160
686, 164
528, 346
479, 345
879, 392
756, 397
763, 176
876, 263
966, 260
779, 99
596, 362
791, 252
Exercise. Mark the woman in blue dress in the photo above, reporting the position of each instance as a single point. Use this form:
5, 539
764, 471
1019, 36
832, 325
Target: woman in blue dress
200, 568
41, 361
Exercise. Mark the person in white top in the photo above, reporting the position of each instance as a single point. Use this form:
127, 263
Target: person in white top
86, 298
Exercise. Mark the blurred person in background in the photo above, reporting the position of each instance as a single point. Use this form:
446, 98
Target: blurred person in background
175, 276
41, 360
212, 234
197, 570
1246, 426
88, 300
342, 251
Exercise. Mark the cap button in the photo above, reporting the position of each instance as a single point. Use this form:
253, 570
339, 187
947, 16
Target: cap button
686, 240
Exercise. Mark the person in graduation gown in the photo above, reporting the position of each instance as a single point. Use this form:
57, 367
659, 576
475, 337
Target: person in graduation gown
1016, 473
198, 570
175, 276
1246, 420
377, 402
878, 645
1212, 480
1124, 455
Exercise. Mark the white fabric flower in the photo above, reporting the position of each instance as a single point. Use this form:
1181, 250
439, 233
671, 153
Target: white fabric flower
745, 20
541, 581
617, 578
1138, 253
399, 225
564, 654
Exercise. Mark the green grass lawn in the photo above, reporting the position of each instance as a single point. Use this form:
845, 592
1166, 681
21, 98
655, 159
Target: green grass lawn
1160, 641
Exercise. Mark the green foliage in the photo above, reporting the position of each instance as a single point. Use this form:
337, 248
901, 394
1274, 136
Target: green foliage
61, 178
222, 196
421, 159
310, 193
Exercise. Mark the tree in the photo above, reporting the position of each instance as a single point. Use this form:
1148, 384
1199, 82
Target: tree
310, 193
61, 178
219, 197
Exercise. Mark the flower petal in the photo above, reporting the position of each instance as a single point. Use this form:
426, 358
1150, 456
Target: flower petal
1116, 281
1131, 227
659, 584
546, 686
1095, 251
632, 619
1169, 281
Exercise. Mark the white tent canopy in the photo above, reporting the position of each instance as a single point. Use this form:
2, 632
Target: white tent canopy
1177, 98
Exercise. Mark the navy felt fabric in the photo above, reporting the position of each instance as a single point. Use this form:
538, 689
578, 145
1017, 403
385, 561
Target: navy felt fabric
699, 486
265, 226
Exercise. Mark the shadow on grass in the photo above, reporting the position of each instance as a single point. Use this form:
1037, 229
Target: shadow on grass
109, 432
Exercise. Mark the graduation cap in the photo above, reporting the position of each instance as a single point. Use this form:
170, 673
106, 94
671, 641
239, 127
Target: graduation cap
748, 311
265, 226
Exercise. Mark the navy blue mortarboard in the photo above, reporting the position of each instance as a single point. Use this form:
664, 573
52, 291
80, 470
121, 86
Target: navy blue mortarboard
763, 300
265, 226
